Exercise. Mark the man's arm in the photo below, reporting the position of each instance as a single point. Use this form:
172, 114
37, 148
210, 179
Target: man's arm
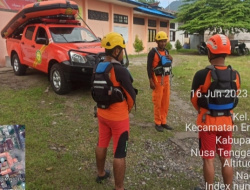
150, 60
123, 76
198, 81
238, 80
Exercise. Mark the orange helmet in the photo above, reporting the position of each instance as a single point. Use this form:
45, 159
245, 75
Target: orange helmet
219, 44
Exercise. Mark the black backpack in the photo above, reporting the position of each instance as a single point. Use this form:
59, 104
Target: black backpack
103, 92
221, 96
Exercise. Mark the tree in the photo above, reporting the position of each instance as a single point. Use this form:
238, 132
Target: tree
178, 45
168, 46
217, 16
138, 45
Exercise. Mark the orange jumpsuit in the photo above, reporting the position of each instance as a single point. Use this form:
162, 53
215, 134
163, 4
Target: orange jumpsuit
161, 93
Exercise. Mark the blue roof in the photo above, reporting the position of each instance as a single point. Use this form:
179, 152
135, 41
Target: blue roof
133, 2
154, 12
143, 7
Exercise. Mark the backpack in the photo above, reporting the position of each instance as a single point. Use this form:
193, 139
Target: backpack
221, 96
164, 66
103, 92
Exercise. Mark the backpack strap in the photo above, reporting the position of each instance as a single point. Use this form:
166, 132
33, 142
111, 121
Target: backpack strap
229, 67
101, 67
166, 52
213, 72
104, 67
210, 67
159, 53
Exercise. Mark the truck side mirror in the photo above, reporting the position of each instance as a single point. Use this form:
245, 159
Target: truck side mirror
42, 41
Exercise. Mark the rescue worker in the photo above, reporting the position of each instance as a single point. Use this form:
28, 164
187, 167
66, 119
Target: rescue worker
113, 121
214, 119
159, 82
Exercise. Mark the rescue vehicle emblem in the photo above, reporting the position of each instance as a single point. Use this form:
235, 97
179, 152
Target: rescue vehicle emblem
38, 56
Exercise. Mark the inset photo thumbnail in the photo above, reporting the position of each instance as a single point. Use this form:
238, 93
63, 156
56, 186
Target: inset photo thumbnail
12, 157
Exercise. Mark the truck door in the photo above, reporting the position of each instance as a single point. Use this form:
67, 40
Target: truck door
41, 44
28, 46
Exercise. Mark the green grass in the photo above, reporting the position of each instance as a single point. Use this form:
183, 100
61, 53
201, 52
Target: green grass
61, 132
184, 51
137, 55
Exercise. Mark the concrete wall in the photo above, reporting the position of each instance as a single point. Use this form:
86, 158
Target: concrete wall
100, 28
5, 17
142, 35
243, 37
195, 40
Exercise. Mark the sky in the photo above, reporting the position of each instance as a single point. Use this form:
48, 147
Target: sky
165, 3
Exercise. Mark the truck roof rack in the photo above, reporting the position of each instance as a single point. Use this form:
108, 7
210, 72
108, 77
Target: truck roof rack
55, 19
59, 21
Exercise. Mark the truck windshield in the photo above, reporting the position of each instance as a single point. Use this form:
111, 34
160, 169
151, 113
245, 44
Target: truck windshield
71, 35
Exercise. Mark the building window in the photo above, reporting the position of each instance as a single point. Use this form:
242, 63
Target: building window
139, 21
120, 19
185, 35
97, 15
172, 25
172, 35
152, 23
151, 35
29, 32
163, 24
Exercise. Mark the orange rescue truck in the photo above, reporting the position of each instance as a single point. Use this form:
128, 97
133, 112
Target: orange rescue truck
47, 37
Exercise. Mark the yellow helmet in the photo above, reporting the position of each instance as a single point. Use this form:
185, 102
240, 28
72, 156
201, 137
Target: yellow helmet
112, 40
161, 36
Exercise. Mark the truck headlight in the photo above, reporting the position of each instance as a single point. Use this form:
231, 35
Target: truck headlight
77, 58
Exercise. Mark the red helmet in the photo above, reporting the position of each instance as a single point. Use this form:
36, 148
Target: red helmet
219, 44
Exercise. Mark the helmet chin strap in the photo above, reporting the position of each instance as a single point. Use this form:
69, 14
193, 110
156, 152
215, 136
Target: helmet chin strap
116, 57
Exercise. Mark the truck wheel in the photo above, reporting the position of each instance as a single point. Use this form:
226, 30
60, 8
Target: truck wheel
58, 81
18, 68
